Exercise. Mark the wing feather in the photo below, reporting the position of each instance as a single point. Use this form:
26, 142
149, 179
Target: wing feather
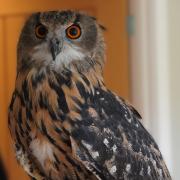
111, 141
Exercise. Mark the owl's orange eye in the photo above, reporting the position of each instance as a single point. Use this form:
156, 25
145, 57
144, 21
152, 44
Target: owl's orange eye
73, 32
41, 31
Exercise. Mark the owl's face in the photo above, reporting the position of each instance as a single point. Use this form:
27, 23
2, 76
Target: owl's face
59, 39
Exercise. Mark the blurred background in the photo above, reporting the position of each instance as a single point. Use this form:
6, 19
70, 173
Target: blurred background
143, 62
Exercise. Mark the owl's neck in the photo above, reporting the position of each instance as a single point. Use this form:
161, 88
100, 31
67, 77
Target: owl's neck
35, 76
58, 93
68, 82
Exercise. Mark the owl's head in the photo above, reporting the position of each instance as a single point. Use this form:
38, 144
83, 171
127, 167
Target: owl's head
59, 39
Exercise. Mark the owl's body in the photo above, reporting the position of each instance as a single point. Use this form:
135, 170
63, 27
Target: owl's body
64, 122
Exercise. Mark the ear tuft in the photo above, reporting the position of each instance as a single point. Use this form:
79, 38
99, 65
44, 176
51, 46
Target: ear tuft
100, 25
94, 18
103, 27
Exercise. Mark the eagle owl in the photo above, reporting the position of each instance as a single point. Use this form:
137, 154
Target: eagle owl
64, 122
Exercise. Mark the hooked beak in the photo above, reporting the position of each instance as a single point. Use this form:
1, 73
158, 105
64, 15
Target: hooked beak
55, 47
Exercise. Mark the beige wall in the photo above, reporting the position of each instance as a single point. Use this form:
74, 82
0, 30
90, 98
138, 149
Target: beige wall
174, 47
155, 73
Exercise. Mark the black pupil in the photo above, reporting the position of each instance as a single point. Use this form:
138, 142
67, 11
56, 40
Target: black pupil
73, 31
42, 31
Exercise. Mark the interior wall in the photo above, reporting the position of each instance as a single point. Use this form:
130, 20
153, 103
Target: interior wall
155, 73
150, 70
174, 47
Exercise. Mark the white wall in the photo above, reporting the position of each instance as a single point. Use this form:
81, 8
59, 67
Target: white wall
174, 47
155, 73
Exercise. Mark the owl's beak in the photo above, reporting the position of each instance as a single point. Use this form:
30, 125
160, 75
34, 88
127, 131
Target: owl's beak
55, 47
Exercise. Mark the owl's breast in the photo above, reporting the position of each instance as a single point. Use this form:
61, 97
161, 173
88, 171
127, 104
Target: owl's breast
39, 121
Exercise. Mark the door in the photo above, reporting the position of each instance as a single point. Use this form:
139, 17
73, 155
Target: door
112, 14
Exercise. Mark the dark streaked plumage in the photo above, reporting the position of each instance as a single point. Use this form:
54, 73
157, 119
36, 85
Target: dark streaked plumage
64, 122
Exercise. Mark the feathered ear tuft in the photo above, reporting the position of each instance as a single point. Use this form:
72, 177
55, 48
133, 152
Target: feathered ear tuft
94, 18
102, 27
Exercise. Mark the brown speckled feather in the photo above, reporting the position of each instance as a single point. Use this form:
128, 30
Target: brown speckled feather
41, 119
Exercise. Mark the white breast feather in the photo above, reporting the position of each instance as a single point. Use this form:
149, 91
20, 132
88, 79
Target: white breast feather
42, 151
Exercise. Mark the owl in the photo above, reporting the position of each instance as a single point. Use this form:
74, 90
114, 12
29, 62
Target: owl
64, 122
